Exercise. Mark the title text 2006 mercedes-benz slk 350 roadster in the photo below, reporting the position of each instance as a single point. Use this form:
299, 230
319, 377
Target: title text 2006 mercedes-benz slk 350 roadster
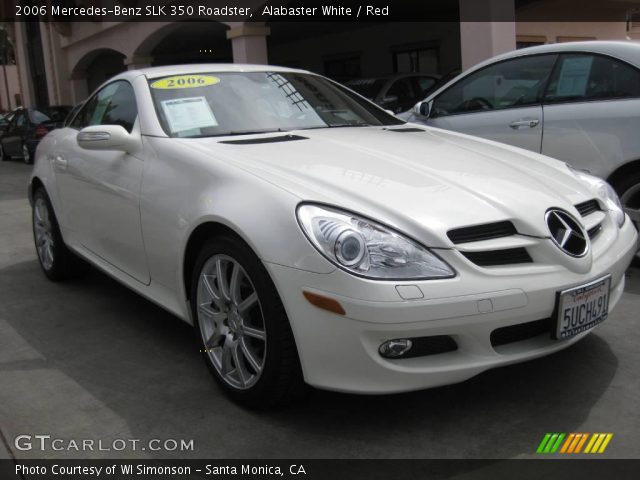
312, 238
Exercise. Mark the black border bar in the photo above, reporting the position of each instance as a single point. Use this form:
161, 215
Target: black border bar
312, 10
565, 469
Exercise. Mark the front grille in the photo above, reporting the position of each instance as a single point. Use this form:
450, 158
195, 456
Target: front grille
518, 333
499, 257
433, 345
481, 232
588, 207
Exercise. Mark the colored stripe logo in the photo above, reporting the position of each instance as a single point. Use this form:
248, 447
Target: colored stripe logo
574, 443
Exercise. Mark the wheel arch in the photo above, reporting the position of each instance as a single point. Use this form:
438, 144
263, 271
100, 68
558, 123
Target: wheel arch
33, 186
623, 171
199, 236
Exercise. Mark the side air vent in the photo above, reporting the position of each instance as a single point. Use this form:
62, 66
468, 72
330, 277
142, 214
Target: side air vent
256, 141
494, 258
481, 232
588, 207
520, 332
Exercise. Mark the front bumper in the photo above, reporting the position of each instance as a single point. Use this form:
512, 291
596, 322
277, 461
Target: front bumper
341, 352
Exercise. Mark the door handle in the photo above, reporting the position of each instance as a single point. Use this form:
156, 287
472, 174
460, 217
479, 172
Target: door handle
525, 122
60, 162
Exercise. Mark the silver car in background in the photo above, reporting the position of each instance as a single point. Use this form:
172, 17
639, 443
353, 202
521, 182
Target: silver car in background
578, 102
396, 93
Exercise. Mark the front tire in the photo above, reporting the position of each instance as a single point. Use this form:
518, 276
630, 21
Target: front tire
629, 191
26, 154
243, 330
56, 260
3, 157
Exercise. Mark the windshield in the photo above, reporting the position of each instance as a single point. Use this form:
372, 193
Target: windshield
235, 103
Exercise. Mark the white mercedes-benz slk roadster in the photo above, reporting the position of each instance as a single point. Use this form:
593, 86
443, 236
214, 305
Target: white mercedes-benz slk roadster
312, 238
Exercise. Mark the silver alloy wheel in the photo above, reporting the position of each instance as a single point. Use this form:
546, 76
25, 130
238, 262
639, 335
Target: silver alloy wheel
631, 202
231, 321
43, 231
25, 154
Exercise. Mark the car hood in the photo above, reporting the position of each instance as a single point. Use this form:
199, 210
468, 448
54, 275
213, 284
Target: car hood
422, 181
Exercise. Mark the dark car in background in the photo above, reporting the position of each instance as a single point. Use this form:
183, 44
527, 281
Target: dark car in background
395, 92
25, 127
4, 119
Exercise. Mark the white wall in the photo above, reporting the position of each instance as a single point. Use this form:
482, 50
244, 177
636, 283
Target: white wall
481, 40
558, 31
13, 84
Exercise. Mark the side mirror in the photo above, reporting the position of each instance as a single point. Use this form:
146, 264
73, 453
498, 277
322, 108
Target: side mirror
422, 109
106, 137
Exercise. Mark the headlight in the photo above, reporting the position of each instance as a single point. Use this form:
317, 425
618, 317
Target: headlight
605, 192
368, 249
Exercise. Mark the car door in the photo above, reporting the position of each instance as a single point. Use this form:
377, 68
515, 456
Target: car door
12, 139
100, 190
500, 102
592, 113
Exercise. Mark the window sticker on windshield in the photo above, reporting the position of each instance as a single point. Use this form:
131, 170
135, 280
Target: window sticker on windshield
573, 78
188, 113
184, 81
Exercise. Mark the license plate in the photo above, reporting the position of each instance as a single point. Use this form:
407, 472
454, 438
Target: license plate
582, 308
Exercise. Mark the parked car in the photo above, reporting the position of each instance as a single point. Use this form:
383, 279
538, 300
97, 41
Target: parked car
5, 118
26, 128
394, 92
577, 102
309, 236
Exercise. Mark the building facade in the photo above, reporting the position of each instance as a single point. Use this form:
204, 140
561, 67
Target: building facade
61, 63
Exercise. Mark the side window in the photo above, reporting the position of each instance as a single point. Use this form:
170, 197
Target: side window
509, 84
122, 109
424, 85
93, 109
115, 104
38, 117
582, 78
21, 120
402, 89
72, 113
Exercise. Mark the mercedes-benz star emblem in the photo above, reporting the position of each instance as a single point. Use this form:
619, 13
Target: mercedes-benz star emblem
567, 233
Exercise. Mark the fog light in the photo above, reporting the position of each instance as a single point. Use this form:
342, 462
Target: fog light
395, 348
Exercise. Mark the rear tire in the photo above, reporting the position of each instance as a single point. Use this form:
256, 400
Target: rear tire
56, 260
3, 157
243, 330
